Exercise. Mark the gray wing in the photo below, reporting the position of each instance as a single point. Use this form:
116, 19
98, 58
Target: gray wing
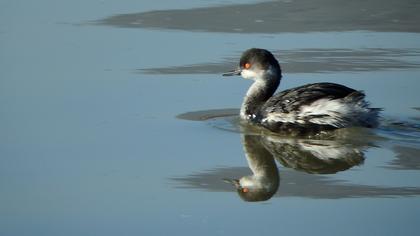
292, 99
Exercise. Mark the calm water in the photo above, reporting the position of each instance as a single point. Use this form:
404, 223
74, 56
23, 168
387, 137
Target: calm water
115, 119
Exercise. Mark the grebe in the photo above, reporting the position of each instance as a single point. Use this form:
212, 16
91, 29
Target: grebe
308, 108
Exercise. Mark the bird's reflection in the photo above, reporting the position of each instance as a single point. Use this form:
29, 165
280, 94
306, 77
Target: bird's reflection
309, 161
317, 156
264, 181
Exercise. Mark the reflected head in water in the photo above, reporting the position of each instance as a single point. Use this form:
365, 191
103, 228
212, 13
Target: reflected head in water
251, 192
264, 181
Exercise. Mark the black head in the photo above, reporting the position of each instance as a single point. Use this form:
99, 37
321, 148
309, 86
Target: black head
254, 61
259, 58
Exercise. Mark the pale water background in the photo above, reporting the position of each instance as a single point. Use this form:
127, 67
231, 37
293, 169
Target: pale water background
90, 92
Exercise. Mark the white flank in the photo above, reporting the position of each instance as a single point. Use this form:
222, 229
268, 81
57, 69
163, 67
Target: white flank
338, 113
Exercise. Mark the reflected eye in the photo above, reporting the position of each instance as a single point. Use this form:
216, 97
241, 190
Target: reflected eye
247, 65
245, 190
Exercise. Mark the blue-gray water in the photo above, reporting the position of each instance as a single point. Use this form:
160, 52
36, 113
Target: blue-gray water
114, 119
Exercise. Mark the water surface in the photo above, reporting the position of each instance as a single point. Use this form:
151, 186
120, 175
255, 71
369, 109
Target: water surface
115, 119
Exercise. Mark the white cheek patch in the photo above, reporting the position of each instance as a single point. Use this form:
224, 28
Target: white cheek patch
248, 74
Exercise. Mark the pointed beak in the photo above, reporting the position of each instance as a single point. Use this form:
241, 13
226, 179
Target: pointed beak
234, 182
233, 72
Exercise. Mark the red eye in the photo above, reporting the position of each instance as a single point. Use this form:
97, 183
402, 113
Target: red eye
247, 65
245, 190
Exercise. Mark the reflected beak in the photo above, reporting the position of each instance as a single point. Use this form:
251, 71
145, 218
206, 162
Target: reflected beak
234, 72
234, 182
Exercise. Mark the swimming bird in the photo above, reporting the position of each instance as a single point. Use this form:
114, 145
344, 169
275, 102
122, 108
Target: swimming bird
308, 108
